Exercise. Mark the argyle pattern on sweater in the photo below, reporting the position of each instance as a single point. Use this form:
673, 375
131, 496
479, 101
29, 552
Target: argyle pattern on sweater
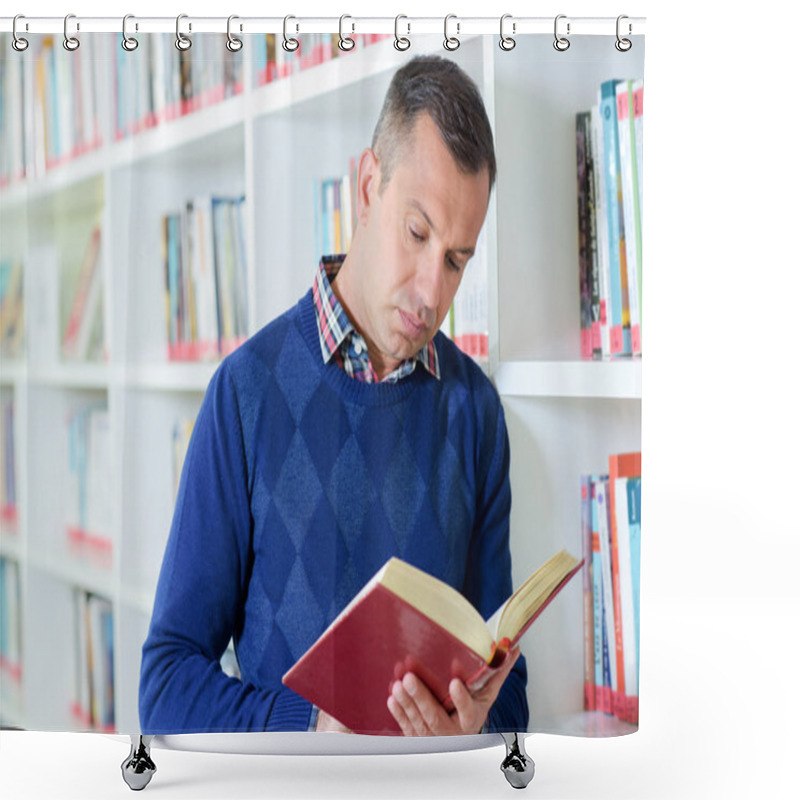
299, 484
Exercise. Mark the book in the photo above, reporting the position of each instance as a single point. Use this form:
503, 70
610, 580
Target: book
406, 620
589, 693
621, 467
630, 206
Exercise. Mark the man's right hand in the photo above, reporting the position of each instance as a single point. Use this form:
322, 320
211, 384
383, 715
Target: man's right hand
326, 723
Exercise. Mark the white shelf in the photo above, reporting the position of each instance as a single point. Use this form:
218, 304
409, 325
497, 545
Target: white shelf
76, 573
72, 376
601, 379
11, 372
10, 545
169, 377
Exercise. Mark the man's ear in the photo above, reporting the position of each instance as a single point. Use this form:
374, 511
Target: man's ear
369, 176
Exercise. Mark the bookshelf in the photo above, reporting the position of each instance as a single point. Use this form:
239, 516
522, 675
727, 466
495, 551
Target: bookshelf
565, 416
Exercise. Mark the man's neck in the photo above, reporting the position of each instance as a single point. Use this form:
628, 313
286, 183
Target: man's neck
349, 296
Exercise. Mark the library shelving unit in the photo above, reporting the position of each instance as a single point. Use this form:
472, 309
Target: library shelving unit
270, 143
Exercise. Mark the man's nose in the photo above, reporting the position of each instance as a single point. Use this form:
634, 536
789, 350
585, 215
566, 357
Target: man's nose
430, 275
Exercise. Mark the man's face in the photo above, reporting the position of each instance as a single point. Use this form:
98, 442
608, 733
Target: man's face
418, 237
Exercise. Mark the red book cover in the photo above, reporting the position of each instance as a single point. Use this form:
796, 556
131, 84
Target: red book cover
350, 670
627, 465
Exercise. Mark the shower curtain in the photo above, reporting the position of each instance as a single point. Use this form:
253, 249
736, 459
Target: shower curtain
194, 488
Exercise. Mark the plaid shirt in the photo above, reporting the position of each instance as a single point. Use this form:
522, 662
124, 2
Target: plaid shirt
341, 341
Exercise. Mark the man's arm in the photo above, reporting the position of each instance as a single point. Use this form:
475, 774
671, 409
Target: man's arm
201, 589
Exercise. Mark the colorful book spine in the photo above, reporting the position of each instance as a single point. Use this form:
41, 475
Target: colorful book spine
630, 205
610, 669
604, 265
582, 139
589, 694
621, 467
602, 695
619, 322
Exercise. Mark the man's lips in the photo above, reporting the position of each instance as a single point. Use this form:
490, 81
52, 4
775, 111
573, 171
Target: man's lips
414, 327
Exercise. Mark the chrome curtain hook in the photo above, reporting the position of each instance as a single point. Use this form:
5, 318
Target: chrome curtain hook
71, 43
233, 44
623, 45
290, 44
18, 43
182, 42
507, 42
561, 43
401, 42
345, 42
451, 42
128, 42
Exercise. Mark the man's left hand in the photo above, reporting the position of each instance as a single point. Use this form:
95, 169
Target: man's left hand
419, 713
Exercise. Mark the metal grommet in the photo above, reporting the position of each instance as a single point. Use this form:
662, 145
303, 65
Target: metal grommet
182, 42
561, 43
233, 44
507, 42
71, 43
345, 42
401, 42
451, 42
290, 44
18, 43
623, 45
128, 42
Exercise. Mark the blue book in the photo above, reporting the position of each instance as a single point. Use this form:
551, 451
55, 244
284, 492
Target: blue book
635, 528
618, 307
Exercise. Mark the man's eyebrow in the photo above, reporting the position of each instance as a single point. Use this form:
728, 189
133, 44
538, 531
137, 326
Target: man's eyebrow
466, 251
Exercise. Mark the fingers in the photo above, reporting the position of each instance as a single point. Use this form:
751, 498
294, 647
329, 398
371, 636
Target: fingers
417, 711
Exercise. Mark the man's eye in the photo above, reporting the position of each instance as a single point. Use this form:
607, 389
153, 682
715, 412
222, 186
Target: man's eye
454, 265
416, 235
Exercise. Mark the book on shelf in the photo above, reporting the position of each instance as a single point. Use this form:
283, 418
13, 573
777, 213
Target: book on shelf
10, 623
609, 184
406, 620
88, 503
205, 273
12, 308
614, 566
49, 106
92, 704
8, 471
83, 336
335, 212
157, 83
271, 62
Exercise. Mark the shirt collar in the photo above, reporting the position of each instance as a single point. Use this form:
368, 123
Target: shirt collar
337, 333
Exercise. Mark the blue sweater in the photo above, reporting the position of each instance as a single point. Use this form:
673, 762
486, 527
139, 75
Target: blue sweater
299, 483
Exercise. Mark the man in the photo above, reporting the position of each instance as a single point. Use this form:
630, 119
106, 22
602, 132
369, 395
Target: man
346, 431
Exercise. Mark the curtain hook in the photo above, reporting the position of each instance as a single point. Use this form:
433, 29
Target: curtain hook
233, 44
623, 45
401, 43
451, 42
18, 43
71, 43
290, 44
182, 42
507, 42
561, 43
345, 42
128, 42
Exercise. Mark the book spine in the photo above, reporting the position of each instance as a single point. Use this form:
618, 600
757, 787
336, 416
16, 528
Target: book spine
619, 337
634, 488
638, 112
609, 627
622, 513
589, 699
620, 466
582, 123
630, 212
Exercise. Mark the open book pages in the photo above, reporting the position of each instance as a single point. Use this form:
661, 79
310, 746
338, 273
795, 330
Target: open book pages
512, 617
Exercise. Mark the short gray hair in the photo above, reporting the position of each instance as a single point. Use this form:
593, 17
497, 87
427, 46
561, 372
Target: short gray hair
439, 87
